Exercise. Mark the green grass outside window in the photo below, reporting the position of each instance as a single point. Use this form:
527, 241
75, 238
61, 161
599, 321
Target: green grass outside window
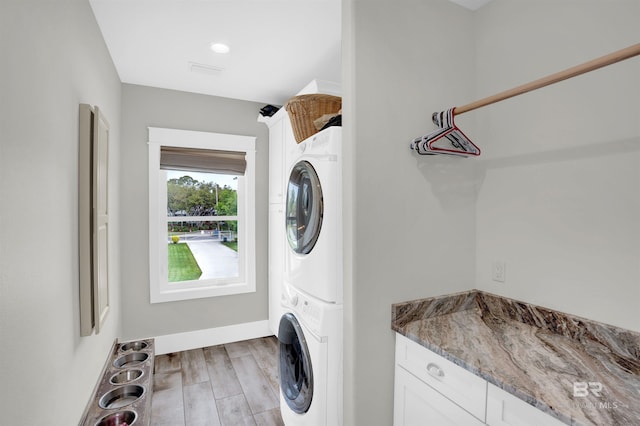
182, 264
233, 245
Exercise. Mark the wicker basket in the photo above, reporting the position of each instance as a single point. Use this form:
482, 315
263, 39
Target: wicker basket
304, 109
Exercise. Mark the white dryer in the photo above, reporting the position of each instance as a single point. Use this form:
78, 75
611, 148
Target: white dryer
313, 217
310, 336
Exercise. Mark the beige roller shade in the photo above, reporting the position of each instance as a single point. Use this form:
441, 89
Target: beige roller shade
202, 160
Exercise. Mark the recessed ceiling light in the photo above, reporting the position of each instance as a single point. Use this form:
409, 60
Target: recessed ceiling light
220, 48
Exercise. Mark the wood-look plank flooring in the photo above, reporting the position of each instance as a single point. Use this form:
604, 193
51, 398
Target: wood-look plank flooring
235, 384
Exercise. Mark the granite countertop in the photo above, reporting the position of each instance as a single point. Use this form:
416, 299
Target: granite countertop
534, 353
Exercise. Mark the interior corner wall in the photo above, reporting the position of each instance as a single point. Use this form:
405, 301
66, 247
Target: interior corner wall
53, 59
560, 197
146, 106
410, 220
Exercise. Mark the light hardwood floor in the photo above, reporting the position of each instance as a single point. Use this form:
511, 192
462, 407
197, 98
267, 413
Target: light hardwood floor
228, 385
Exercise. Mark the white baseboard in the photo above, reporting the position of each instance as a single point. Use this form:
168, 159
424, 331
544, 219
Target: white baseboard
211, 337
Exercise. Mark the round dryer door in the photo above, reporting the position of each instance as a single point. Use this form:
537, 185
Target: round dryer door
296, 374
304, 208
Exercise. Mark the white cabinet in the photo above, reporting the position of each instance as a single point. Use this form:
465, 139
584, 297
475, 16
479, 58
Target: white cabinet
291, 151
431, 390
454, 382
504, 409
276, 264
281, 145
418, 404
281, 141
276, 163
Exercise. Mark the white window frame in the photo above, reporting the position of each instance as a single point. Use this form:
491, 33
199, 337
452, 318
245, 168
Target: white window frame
159, 287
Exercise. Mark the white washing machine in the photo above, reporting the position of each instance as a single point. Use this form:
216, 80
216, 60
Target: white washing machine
310, 336
313, 209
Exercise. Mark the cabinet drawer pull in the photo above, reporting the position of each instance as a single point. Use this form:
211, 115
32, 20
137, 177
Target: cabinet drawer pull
434, 370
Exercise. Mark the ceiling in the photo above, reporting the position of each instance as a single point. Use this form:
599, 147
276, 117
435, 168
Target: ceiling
277, 46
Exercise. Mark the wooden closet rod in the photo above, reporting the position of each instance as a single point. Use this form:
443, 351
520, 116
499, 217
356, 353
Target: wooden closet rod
594, 64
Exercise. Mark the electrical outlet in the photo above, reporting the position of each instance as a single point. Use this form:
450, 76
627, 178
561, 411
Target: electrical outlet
498, 272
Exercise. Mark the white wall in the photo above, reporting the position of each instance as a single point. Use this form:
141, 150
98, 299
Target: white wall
146, 106
53, 58
409, 221
560, 197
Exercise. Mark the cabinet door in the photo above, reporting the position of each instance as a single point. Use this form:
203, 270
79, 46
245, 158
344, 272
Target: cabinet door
461, 386
276, 264
276, 163
418, 404
291, 148
504, 409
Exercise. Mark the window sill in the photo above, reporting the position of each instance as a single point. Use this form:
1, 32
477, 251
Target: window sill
172, 295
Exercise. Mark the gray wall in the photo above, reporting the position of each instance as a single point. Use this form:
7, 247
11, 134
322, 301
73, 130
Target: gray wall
555, 193
410, 222
53, 58
143, 107
560, 194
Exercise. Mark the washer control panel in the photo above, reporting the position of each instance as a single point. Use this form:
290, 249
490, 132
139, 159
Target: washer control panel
306, 309
311, 312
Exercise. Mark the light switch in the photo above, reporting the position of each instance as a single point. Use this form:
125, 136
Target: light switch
499, 271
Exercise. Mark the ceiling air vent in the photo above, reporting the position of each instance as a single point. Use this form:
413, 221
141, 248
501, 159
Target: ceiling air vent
205, 69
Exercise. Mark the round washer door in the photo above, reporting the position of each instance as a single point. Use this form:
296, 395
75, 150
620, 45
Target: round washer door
304, 208
296, 374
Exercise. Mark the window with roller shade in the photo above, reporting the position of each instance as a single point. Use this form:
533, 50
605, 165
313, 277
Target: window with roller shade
202, 214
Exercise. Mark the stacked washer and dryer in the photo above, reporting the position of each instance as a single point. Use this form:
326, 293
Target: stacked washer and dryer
305, 267
310, 328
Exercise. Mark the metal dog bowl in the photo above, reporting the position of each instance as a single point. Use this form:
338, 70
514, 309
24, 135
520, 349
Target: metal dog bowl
125, 376
133, 346
122, 396
131, 359
121, 418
